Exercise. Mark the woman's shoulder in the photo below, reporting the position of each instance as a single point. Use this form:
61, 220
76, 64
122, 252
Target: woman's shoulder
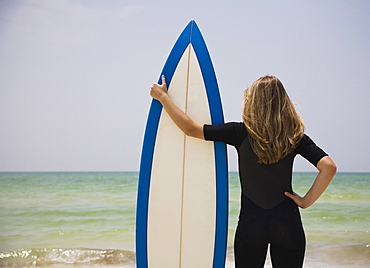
231, 132
305, 140
235, 124
238, 127
309, 150
228, 127
239, 132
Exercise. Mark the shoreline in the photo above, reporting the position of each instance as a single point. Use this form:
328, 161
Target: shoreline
317, 256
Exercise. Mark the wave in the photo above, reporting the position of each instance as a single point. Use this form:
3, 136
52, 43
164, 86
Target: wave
352, 255
317, 255
42, 257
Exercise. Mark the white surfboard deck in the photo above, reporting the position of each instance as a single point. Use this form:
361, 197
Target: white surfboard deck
182, 203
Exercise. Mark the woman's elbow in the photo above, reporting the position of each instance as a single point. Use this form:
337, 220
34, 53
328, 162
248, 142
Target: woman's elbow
188, 131
327, 164
195, 130
333, 168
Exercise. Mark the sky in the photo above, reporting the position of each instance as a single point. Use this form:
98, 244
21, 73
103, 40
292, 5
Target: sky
75, 75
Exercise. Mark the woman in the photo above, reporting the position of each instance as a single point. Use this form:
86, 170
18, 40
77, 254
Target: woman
271, 135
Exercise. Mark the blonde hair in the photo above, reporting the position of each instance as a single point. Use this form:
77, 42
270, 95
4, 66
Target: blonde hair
273, 124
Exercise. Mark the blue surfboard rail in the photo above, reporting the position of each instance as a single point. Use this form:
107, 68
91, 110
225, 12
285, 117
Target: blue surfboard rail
191, 34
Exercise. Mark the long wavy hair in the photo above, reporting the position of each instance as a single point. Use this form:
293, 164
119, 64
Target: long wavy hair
273, 124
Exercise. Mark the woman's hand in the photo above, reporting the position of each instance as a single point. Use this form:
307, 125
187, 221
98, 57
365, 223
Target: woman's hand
297, 199
182, 120
327, 170
158, 91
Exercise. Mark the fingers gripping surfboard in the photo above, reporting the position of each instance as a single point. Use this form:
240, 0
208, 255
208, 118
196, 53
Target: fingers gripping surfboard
182, 203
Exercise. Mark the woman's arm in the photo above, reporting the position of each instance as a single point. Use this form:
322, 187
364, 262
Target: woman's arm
327, 170
183, 121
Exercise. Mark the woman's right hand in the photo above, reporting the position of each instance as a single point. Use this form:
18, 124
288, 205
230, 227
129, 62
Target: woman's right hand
158, 91
182, 120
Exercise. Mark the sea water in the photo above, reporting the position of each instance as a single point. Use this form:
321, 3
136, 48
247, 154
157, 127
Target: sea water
88, 220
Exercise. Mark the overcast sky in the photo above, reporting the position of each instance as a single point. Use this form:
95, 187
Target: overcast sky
75, 75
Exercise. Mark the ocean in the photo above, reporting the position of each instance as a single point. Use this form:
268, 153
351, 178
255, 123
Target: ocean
87, 219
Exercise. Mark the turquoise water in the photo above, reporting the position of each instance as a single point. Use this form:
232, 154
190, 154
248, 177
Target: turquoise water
88, 220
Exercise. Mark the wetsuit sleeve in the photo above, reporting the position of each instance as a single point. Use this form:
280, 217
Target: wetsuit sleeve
309, 150
230, 133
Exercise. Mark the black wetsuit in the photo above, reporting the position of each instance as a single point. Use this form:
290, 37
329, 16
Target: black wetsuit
267, 216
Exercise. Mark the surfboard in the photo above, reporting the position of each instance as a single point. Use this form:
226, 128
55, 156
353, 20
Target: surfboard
182, 201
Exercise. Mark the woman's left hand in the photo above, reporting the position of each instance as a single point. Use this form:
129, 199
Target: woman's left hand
327, 170
297, 199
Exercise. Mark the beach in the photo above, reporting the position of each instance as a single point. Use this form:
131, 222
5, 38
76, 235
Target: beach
87, 219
